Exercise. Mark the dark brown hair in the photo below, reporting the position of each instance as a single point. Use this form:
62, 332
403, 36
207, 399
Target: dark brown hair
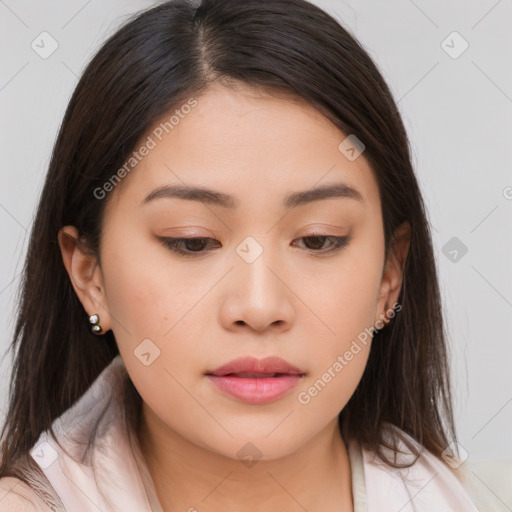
156, 60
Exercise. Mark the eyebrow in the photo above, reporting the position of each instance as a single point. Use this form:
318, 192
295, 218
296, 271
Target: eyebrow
213, 197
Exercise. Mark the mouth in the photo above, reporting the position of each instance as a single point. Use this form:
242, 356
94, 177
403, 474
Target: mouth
251, 367
255, 381
253, 375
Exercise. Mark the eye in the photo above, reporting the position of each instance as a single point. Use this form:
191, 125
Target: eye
199, 245
315, 243
192, 245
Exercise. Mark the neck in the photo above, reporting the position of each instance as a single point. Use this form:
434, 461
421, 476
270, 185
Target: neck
191, 478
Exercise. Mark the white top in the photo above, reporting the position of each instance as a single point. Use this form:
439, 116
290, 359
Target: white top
112, 474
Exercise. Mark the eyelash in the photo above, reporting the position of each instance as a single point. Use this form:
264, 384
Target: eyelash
175, 244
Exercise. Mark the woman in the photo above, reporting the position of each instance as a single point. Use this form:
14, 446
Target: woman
232, 208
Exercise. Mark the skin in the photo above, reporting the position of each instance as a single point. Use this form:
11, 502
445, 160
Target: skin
205, 310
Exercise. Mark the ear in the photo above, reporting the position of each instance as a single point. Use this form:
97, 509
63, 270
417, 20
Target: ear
392, 276
85, 274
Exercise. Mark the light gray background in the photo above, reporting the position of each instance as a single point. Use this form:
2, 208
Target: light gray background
458, 112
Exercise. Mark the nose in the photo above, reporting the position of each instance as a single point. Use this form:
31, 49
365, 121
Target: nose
258, 296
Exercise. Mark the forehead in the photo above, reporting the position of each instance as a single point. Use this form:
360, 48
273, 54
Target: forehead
243, 141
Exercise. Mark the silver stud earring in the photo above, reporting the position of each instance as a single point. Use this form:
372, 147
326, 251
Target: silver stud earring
94, 320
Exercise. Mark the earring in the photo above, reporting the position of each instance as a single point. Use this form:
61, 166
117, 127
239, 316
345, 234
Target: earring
94, 320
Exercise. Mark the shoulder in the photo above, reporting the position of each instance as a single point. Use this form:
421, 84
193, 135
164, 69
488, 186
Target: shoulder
17, 496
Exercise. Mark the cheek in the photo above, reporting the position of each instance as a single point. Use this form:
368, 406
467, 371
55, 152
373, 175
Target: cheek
151, 303
137, 301
339, 355
329, 389
147, 294
153, 334
345, 301
345, 297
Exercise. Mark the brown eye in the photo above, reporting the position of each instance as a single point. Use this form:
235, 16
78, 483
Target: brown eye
200, 245
315, 243
187, 246
195, 244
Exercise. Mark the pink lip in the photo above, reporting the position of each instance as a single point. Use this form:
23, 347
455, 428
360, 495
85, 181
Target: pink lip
233, 380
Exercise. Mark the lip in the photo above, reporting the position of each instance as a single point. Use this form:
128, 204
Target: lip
250, 379
254, 365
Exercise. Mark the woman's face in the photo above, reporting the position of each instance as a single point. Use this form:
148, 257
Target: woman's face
254, 284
